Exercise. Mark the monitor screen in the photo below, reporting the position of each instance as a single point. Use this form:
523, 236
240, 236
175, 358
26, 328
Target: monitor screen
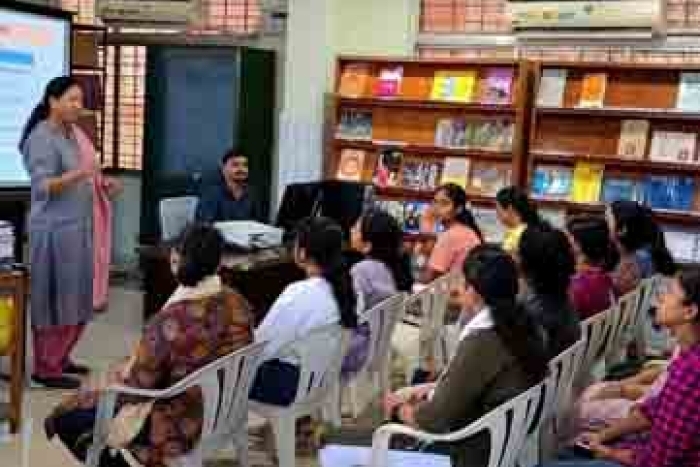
34, 48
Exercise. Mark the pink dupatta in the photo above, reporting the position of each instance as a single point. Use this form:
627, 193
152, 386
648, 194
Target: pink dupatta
102, 221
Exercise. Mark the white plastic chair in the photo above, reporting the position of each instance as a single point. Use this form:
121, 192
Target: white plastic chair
382, 320
507, 425
225, 384
595, 332
624, 326
176, 214
320, 355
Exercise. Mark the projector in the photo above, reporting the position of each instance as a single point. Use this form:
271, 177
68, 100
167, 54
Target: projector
250, 235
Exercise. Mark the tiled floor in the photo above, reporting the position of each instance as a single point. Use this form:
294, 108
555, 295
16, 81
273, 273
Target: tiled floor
109, 337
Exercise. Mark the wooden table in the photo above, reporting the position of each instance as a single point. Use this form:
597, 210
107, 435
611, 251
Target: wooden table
14, 283
259, 276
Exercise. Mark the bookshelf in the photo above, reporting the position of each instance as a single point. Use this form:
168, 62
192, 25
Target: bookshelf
423, 116
619, 131
88, 65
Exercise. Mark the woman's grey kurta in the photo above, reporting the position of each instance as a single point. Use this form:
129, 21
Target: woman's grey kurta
60, 232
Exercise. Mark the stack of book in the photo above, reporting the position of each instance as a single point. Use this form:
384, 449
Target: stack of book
7, 244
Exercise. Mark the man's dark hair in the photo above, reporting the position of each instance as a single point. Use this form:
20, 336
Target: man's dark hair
230, 154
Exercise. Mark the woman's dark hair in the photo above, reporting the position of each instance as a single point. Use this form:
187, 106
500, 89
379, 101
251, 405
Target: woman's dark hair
322, 240
513, 197
464, 216
494, 276
636, 229
546, 261
689, 279
200, 247
56, 88
592, 236
385, 237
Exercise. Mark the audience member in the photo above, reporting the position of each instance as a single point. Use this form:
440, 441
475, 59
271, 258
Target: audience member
547, 265
325, 297
201, 322
591, 290
384, 271
516, 212
460, 236
672, 417
498, 332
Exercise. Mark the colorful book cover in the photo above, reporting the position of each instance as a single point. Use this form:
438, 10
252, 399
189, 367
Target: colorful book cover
444, 133
490, 226
552, 87
689, 92
420, 175
389, 82
488, 178
497, 87
674, 147
552, 181
388, 170
354, 80
491, 135
454, 86
593, 90
455, 171
413, 215
587, 182
669, 192
352, 162
633, 139
619, 189
355, 124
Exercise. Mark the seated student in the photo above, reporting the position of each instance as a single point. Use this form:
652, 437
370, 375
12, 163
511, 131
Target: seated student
516, 212
640, 243
591, 290
230, 199
325, 297
671, 418
384, 271
547, 265
460, 236
202, 321
501, 353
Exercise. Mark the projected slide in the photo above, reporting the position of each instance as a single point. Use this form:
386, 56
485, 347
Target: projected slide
33, 49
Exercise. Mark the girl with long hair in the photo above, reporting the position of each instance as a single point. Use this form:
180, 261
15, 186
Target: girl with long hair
325, 297
516, 212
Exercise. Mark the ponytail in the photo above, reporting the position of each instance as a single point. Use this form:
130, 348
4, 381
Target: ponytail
466, 218
55, 89
519, 201
338, 277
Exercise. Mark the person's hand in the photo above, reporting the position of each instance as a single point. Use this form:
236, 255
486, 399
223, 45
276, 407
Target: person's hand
392, 401
620, 456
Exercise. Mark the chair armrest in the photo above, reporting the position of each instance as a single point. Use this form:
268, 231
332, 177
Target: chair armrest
382, 437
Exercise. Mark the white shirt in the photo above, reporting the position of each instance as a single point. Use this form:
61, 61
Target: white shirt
302, 307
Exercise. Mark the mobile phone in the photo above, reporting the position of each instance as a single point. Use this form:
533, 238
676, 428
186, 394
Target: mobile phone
583, 450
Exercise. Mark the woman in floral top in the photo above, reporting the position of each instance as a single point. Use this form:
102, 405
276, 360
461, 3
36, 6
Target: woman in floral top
201, 322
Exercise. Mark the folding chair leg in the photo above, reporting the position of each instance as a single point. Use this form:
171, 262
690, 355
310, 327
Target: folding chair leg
284, 429
242, 449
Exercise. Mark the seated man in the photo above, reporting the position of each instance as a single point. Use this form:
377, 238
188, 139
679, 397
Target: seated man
230, 199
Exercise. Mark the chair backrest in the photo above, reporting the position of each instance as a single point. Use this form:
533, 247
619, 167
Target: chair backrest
418, 306
225, 385
595, 331
563, 371
623, 323
175, 214
320, 356
382, 320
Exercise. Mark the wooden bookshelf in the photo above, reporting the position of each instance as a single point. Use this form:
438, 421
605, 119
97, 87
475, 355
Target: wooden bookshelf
569, 134
408, 121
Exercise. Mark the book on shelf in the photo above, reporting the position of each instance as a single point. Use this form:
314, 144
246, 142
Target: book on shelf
491, 228
487, 178
551, 181
419, 218
355, 124
489, 135
455, 170
689, 92
618, 188
593, 90
351, 165
552, 87
497, 87
420, 175
389, 82
587, 182
669, 192
633, 139
684, 245
388, 171
674, 147
454, 86
392, 207
354, 80
555, 217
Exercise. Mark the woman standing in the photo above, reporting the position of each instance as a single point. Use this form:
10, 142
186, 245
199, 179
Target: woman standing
60, 233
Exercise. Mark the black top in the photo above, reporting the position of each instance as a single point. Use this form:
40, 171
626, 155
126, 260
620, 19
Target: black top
217, 204
557, 317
